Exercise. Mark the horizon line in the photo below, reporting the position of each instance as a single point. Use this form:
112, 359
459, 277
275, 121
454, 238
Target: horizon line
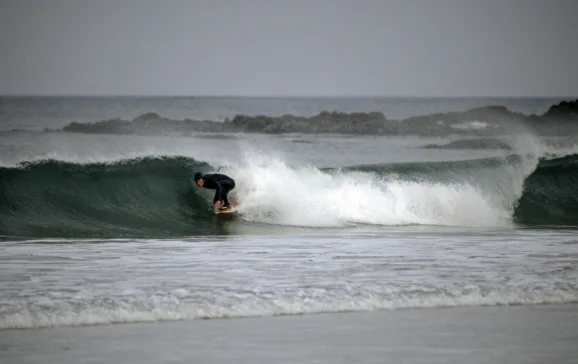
270, 96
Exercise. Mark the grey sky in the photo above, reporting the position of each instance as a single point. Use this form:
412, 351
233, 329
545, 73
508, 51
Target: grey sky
289, 47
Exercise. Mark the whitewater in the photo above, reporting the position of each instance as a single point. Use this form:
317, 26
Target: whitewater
110, 229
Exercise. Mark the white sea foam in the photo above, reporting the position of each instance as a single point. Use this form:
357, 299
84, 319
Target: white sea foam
271, 191
177, 306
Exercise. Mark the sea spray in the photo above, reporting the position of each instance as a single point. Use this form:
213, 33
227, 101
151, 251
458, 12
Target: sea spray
306, 196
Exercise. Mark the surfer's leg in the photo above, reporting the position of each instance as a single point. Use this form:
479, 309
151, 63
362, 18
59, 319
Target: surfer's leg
225, 196
217, 197
227, 187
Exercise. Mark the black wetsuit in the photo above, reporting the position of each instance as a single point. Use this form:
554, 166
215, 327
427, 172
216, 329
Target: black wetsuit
222, 184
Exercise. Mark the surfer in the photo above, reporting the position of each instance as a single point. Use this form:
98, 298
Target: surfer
223, 184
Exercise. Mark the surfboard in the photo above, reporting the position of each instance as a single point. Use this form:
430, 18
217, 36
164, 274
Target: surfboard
226, 211
231, 209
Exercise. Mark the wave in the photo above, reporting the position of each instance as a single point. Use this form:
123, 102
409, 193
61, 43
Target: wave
136, 197
189, 304
155, 196
550, 194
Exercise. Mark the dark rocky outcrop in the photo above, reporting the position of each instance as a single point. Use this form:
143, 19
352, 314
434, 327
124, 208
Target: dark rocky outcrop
480, 143
490, 114
565, 110
560, 119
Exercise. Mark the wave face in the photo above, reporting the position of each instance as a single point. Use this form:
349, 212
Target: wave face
155, 197
550, 194
138, 197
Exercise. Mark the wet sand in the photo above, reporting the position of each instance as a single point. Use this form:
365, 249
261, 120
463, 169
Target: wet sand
518, 334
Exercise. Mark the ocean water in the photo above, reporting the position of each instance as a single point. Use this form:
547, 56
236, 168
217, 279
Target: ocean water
100, 229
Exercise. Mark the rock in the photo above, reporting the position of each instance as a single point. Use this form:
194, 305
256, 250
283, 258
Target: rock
563, 110
497, 120
481, 143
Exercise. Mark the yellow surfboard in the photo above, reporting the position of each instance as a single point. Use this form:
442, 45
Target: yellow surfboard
233, 208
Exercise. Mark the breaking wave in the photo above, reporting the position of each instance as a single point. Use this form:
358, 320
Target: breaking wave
188, 304
155, 196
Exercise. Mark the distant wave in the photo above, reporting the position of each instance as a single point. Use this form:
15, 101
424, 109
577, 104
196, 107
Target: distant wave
155, 197
560, 119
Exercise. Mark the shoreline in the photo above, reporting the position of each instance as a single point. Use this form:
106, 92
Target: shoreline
491, 334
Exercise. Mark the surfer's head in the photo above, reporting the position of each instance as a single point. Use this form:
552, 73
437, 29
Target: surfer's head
199, 179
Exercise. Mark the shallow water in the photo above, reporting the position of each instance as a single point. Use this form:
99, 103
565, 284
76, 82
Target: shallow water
67, 282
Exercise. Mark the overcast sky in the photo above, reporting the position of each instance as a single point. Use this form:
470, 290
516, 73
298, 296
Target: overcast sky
290, 47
